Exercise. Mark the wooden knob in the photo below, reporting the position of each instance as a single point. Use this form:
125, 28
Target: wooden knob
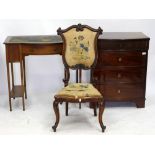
119, 59
118, 91
119, 75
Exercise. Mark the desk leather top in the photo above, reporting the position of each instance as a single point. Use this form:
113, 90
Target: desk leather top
51, 39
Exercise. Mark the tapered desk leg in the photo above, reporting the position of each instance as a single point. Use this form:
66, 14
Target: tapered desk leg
22, 83
9, 88
24, 78
12, 74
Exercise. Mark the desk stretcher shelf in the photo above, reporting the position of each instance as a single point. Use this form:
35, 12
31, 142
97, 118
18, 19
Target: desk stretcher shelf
17, 91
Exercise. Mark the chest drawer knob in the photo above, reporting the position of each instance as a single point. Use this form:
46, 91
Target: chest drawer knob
119, 59
119, 75
118, 91
143, 53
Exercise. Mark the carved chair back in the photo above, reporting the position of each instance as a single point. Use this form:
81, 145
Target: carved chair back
79, 49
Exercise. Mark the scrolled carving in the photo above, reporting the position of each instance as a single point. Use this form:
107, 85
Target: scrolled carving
79, 27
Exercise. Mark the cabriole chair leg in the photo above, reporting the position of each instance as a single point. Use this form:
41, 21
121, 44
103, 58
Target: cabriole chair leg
56, 110
101, 110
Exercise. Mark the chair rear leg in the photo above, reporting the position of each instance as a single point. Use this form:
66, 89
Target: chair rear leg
95, 110
66, 108
79, 105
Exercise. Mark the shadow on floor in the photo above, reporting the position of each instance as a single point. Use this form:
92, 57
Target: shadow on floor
120, 104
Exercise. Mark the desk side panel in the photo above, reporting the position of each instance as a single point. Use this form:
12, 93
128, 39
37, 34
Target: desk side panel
13, 52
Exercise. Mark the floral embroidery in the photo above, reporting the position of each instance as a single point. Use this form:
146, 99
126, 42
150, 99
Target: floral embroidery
79, 48
80, 37
79, 90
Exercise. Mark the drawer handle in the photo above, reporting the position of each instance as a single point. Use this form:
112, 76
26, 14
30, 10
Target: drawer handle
119, 75
118, 91
120, 59
143, 53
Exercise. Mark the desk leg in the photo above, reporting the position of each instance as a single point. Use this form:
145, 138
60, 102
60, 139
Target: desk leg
12, 74
24, 78
9, 88
22, 83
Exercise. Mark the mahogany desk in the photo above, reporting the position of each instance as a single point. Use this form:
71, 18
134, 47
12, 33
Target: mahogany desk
120, 74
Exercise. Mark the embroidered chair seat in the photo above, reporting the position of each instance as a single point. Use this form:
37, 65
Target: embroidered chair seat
79, 91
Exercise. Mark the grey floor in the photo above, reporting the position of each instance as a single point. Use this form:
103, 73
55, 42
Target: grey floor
119, 118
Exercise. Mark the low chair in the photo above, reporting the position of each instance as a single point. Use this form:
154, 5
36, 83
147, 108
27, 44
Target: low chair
79, 53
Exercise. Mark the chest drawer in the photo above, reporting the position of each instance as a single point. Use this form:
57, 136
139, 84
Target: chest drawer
122, 59
136, 45
129, 75
122, 91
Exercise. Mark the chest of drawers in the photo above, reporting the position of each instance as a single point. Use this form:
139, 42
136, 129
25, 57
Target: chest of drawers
120, 73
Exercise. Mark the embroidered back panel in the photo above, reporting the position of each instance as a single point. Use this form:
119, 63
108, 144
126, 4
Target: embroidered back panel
80, 47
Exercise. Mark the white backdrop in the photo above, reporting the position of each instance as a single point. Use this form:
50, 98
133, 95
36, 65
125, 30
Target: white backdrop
45, 73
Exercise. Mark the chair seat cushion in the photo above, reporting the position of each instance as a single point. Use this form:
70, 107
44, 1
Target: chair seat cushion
79, 91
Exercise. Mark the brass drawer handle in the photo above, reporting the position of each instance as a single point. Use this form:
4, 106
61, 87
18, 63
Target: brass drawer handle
119, 75
118, 91
119, 59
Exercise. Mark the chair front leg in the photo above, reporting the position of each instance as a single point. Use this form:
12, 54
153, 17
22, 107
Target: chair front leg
56, 110
101, 110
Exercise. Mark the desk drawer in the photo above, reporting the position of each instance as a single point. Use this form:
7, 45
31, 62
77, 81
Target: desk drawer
41, 49
122, 59
129, 75
122, 91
